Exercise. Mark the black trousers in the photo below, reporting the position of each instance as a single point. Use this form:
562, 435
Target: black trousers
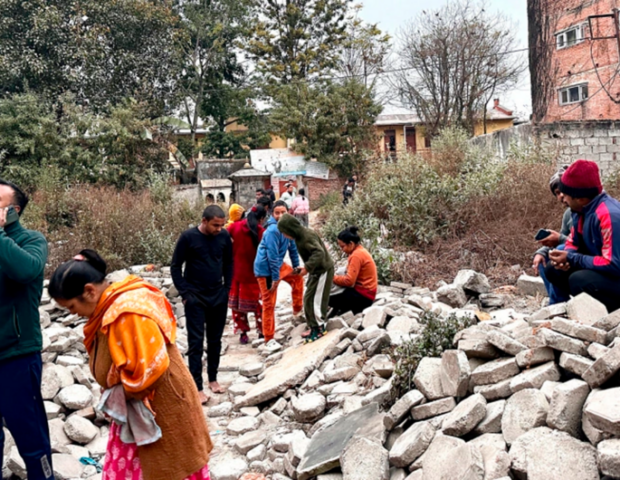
349, 301
604, 288
203, 317
21, 407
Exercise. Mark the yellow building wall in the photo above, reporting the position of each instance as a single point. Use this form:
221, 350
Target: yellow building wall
277, 142
492, 126
400, 137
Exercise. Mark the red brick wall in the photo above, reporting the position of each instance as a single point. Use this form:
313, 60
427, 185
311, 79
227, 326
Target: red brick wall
316, 187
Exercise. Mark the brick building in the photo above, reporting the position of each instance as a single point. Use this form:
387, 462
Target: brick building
574, 52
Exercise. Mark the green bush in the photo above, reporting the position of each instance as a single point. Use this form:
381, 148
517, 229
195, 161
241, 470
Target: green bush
437, 336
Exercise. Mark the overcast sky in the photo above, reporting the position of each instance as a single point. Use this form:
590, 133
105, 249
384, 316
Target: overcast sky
394, 14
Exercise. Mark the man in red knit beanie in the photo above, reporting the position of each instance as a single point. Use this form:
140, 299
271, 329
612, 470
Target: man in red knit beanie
590, 261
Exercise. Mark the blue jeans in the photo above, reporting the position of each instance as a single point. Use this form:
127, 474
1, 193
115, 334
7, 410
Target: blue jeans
21, 407
555, 296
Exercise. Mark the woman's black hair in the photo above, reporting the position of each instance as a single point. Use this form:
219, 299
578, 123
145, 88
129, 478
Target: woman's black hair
265, 202
69, 280
302, 192
349, 235
254, 218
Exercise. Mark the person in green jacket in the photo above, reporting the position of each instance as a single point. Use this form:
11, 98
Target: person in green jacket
319, 266
23, 254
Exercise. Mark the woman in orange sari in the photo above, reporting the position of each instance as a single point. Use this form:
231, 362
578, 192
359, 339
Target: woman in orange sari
130, 338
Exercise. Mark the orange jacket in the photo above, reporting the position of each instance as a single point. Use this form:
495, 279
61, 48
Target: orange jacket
361, 274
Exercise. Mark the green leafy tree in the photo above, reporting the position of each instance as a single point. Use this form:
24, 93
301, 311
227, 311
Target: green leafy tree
331, 122
297, 39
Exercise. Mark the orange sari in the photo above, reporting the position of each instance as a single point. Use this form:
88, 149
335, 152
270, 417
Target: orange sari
139, 322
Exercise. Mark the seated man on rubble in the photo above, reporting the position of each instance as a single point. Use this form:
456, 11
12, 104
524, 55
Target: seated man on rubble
590, 261
555, 239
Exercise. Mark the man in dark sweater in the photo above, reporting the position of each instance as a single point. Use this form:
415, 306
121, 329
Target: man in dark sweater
206, 252
23, 254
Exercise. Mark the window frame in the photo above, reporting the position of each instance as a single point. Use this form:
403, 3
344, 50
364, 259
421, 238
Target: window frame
561, 36
566, 91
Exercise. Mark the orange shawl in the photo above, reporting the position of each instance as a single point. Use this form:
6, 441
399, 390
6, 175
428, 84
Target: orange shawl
139, 322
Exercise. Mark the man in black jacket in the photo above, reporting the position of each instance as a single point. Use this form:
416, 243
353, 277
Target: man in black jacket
23, 254
206, 252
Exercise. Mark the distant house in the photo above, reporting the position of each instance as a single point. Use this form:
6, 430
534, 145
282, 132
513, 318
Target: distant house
400, 131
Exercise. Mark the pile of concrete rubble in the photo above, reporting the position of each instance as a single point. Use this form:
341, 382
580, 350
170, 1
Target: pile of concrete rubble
523, 394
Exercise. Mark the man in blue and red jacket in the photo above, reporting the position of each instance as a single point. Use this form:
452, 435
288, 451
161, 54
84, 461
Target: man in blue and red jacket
590, 261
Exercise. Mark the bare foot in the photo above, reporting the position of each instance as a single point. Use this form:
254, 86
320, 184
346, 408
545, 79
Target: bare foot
216, 387
204, 398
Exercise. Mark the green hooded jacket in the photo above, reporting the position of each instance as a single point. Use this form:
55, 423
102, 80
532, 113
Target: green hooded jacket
23, 254
310, 246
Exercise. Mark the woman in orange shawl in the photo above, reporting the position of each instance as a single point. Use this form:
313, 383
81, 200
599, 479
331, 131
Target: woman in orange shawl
235, 213
130, 338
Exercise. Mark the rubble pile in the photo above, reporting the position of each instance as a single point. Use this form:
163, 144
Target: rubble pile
522, 395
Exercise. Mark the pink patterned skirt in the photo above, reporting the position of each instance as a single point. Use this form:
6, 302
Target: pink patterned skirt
122, 462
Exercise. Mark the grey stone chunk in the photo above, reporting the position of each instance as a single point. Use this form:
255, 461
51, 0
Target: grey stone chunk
548, 388
545, 454
496, 391
535, 377
585, 309
16, 464
251, 369
227, 468
58, 437
80, 430
561, 342
242, 425
604, 368
465, 416
496, 462
575, 363
524, 411
533, 286
452, 295
374, 316
50, 382
596, 350
609, 457
66, 467
432, 409
452, 458
427, 378
578, 330
401, 408
549, 311
565, 408
308, 408
250, 440
535, 356
363, 459
472, 282
257, 454
608, 322
504, 342
603, 410
495, 371
369, 334
403, 324
473, 341
492, 422
297, 449
222, 410
75, 397
379, 344
412, 444
455, 373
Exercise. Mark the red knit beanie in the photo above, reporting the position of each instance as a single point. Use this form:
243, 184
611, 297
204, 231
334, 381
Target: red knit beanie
582, 180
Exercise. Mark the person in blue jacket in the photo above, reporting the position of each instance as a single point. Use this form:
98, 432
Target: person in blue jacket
270, 268
590, 261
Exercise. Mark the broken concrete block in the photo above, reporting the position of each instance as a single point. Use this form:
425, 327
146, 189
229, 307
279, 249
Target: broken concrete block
249, 441
473, 341
432, 409
401, 408
603, 369
66, 467
609, 457
80, 430
455, 373
465, 416
412, 444
242, 425
608, 322
427, 378
585, 309
452, 295
561, 342
363, 458
535, 377
492, 422
535, 456
603, 410
472, 282
449, 457
495, 391
535, 356
566, 406
374, 316
533, 286
578, 330
403, 324
495, 371
575, 363
308, 408
596, 350
549, 311
504, 342
524, 411
496, 462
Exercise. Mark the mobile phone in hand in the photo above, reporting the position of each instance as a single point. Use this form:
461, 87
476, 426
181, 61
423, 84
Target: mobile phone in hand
542, 234
11, 215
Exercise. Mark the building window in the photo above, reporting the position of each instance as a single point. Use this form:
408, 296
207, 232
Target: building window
570, 37
427, 142
573, 94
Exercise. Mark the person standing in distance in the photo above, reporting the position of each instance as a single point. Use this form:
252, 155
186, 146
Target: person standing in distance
23, 254
206, 251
